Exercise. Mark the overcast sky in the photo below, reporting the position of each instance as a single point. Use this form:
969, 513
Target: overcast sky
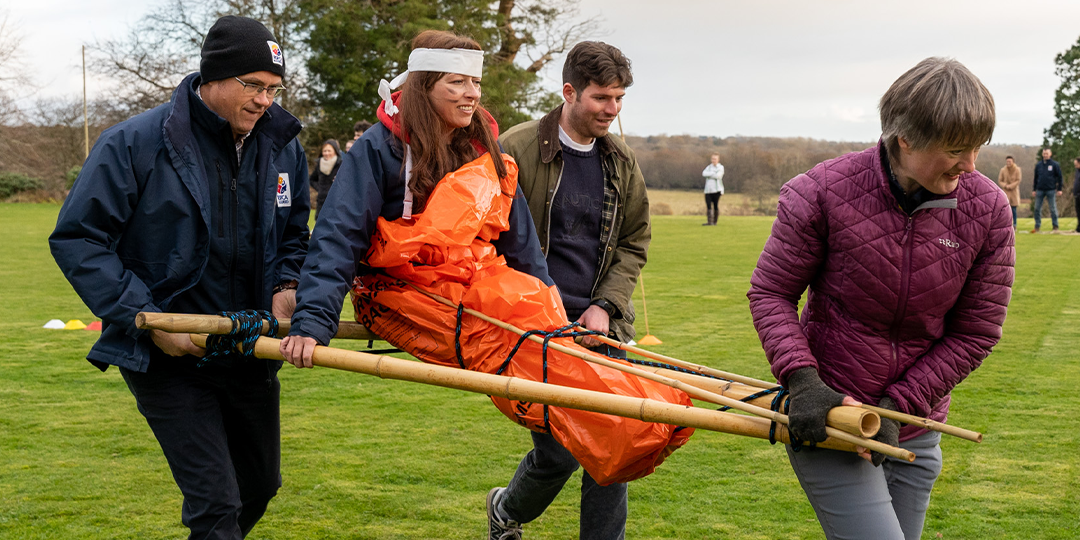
754, 67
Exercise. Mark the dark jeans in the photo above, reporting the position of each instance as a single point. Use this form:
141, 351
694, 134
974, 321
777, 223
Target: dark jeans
1076, 206
1014, 218
219, 429
541, 475
712, 201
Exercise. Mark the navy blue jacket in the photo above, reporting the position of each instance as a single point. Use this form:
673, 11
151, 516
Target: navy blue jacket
134, 231
368, 185
1047, 176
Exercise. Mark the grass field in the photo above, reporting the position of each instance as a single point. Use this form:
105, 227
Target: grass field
365, 458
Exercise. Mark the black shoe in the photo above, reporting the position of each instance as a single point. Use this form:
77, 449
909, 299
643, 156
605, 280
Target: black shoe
499, 529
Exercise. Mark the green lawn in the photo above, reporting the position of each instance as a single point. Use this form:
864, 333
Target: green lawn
368, 458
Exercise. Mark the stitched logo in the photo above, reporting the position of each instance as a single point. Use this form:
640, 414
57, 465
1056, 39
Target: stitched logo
284, 194
948, 243
275, 53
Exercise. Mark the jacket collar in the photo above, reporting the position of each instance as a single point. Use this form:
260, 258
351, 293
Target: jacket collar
548, 132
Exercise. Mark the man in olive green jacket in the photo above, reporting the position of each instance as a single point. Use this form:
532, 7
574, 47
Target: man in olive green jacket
625, 232
588, 201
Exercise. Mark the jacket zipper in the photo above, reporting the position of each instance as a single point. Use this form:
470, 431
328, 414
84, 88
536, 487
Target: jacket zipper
901, 305
235, 245
221, 201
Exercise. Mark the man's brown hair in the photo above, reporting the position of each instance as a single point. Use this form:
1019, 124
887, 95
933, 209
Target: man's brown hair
596, 62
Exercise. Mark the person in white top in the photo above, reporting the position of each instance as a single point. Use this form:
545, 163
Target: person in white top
714, 188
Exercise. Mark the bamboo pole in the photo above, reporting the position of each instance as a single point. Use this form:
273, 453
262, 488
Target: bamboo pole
647, 409
742, 390
644, 409
844, 432
683, 364
214, 324
867, 424
927, 423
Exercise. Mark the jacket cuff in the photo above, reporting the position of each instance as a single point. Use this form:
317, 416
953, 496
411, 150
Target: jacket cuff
312, 329
135, 332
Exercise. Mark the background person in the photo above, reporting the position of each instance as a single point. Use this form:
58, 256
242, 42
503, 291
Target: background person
359, 128
1009, 180
325, 171
167, 215
908, 256
587, 197
1076, 191
1048, 185
714, 188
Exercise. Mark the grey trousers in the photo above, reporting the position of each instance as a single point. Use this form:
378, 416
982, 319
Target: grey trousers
541, 476
855, 500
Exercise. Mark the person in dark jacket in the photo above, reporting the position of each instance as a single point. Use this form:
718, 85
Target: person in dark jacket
1048, 185
197, 206
1076, 191
907, 255
325, 171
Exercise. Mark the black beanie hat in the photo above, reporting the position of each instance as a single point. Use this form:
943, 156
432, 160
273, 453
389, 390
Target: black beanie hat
238, 45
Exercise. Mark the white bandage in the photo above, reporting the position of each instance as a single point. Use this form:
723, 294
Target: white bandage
464, 61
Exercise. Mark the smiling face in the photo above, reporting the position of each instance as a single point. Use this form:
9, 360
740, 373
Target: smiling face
455, 98
937, 169
231, 101
1046, 154
589, 115
328, 152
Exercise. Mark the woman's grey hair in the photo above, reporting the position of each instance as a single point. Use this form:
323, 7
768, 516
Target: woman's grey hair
937, 103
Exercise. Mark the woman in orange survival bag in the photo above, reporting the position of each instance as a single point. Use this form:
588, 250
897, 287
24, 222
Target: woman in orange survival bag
461, 229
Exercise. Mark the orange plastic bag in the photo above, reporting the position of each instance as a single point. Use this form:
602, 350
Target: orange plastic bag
447, 250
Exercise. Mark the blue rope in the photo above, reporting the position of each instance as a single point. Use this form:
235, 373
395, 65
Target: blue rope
246, 328
752, 397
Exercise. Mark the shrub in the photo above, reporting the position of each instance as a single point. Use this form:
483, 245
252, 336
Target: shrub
72, 174
12, 183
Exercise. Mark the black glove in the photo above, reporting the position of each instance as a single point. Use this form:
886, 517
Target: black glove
809, 404
889, 433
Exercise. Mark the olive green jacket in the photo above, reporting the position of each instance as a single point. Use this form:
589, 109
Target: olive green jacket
626, 231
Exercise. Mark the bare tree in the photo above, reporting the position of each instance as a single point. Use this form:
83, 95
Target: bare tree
163, 47
12, 70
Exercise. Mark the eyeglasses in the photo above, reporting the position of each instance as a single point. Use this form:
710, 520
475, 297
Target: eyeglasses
253, 89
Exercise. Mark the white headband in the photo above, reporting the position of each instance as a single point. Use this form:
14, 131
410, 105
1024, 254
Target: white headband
464, 61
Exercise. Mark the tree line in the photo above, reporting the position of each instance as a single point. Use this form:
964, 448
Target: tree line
338, 50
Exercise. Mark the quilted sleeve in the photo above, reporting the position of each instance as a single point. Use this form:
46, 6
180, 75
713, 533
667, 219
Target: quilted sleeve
792, 255
972, 327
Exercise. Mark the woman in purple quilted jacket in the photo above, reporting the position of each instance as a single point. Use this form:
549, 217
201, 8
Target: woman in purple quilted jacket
907, 252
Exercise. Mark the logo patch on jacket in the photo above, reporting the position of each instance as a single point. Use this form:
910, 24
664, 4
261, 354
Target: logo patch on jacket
275, 53
284, 192
948, 243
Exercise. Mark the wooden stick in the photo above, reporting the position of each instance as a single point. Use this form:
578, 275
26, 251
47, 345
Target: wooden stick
638, 408
683, 364
740, 391
932, 425
853, 436
852, 418
644, 409
214, 324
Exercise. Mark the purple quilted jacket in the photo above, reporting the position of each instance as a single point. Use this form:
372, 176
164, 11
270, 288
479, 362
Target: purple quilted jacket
898, 305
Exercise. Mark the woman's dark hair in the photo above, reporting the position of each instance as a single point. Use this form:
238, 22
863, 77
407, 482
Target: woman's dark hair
333, 143
433, 156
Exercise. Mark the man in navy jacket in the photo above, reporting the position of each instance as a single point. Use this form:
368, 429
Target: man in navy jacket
197, 206
1047, 186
